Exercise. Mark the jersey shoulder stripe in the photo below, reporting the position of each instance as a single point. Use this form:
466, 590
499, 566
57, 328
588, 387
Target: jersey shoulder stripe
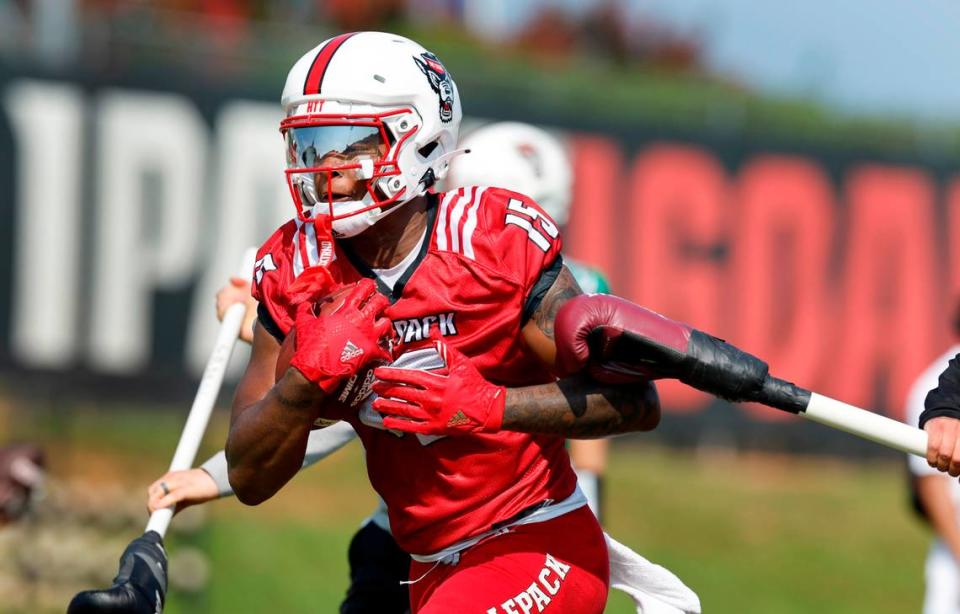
457, 220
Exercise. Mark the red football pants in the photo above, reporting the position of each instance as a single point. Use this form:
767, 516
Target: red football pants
559, 566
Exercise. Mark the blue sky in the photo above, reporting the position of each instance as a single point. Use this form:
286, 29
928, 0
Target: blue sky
875, 56
872, 55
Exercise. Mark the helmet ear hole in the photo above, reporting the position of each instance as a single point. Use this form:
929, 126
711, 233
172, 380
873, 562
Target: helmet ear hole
391, 137
427, 149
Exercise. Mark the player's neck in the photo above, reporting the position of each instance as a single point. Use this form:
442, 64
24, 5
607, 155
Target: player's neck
386, 243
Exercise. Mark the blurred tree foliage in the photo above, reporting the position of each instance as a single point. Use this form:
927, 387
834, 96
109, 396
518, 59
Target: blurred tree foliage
600, 71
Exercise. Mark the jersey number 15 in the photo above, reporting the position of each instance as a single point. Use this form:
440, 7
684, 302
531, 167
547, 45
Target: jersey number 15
538, 226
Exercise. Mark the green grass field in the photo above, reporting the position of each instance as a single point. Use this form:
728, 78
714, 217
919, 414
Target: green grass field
750, 533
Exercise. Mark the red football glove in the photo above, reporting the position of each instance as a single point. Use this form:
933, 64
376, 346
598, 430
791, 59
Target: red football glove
457, 401
344, 338
313, 284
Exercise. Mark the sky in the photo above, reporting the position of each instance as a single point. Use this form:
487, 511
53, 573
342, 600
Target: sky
871, 55
863, 56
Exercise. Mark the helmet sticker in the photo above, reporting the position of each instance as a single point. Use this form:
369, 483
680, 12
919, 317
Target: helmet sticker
439, 80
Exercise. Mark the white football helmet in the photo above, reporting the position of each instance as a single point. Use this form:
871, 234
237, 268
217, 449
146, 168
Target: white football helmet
373, 105
518, 157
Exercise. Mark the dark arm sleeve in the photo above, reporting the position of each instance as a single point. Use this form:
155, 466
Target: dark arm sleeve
263, 315
540, 289
944, 400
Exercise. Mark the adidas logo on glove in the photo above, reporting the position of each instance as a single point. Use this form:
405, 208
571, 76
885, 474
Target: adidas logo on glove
350, 351
458, 419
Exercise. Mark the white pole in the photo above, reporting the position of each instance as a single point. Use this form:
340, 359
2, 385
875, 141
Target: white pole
866, 424
207, 393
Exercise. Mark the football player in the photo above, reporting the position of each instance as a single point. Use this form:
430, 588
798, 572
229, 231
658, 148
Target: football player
517, 156
470, 458
938, 497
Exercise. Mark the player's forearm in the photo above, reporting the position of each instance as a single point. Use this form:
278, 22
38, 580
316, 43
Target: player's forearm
580, 408
268, 439
320, 444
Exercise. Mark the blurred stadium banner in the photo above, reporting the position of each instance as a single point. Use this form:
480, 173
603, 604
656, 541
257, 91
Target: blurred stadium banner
125, 204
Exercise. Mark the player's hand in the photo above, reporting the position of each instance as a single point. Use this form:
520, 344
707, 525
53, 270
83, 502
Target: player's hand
343, 338
437, 403
311, 285
181, 488
943, 444
238, 291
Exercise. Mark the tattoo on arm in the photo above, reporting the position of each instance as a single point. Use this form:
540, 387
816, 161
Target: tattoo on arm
579, 407
293, 391
563, 289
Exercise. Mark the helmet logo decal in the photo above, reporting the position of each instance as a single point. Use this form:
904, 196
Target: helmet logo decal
439, 80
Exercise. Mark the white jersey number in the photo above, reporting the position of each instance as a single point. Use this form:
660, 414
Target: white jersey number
537, 225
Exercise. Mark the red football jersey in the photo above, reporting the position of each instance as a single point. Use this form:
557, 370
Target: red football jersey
487, 251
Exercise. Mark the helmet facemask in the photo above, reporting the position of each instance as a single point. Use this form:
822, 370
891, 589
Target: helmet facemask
345, 166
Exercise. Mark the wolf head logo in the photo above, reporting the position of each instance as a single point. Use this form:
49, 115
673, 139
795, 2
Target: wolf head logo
440, 82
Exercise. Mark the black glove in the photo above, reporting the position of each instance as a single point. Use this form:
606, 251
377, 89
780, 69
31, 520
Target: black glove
140, 586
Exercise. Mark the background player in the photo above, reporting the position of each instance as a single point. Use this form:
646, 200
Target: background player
939, 496
532, 161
